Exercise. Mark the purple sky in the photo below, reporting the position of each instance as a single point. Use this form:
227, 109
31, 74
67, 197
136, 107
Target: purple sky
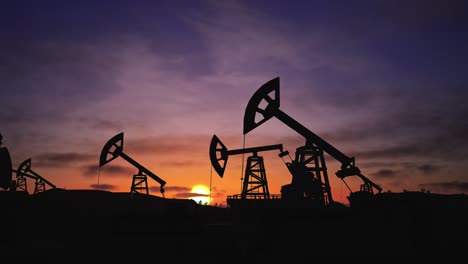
383, 81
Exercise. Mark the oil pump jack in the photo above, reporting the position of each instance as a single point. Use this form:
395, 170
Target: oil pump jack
255, 185
308, 169
113, 149
24, 170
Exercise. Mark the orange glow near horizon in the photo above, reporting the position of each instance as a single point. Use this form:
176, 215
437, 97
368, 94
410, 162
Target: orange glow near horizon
199, 175
202, 194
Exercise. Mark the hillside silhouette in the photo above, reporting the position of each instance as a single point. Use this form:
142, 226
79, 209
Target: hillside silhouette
91, 222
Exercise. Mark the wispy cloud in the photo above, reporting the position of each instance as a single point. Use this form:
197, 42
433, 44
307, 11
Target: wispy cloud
106, 187
54, 78
428, 168
108, 169
168, 144
446, 187
179, 191
186, 163
175, 189
385, 173
61, 159
101, 124
185, 195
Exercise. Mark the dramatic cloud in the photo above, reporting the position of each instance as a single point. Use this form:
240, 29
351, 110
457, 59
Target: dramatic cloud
381, 83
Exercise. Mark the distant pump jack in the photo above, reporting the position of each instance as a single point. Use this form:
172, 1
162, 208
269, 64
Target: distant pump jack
113, 149
24, 170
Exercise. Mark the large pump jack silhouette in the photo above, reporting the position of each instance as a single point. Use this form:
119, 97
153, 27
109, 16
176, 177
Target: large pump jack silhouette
255, 184
308, 169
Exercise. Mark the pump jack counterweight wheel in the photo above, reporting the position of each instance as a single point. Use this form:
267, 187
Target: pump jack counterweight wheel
269, 93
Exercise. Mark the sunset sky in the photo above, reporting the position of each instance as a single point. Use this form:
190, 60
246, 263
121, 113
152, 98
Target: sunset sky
382, 81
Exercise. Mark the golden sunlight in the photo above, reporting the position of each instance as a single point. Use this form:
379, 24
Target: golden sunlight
202, 194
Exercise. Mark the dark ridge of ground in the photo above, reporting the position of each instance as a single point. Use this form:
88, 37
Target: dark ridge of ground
106, 225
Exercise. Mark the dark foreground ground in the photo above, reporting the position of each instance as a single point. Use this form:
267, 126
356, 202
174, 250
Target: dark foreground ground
89, 224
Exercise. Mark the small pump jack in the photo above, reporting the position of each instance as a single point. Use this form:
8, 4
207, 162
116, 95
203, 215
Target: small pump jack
255, 184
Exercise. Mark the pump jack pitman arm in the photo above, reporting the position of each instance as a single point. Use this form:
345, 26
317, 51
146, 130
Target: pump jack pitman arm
271, 94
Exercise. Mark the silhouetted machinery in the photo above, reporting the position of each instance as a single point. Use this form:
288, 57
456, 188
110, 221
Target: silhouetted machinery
255, 185
6, 167
24, 171
308, 169
114, 149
